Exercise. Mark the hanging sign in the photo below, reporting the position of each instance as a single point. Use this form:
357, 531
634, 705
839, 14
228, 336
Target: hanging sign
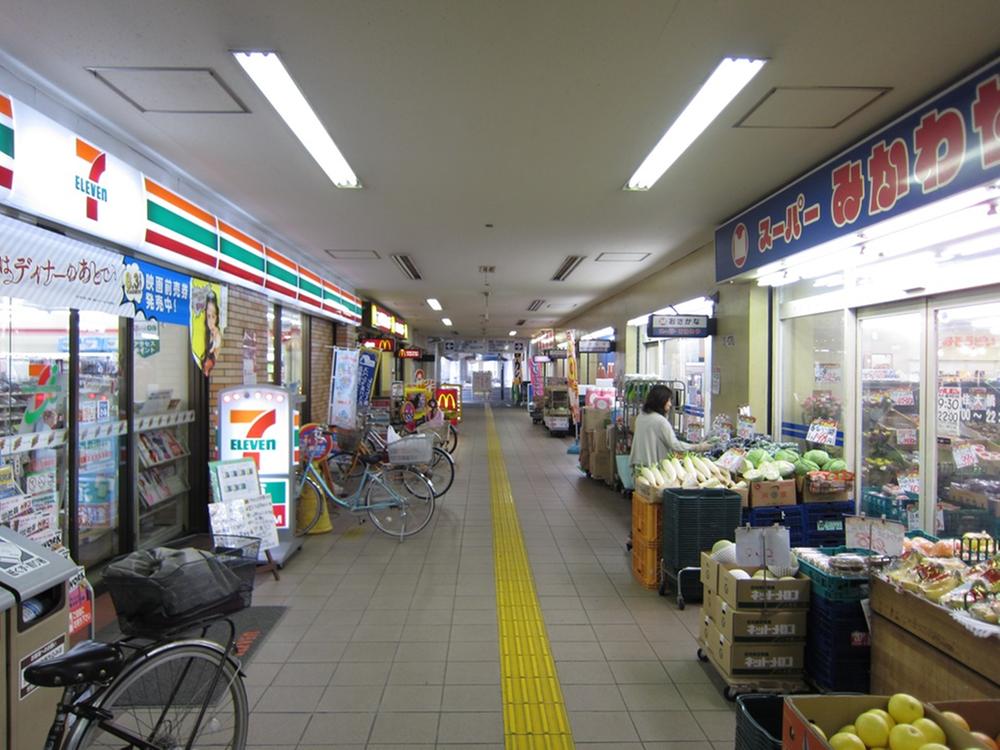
679, 326
571, 377
409, 354
762, 546
554, 354
382, 345
943, 147
382, 320
367, 367
876, 534
344, 388
596, 346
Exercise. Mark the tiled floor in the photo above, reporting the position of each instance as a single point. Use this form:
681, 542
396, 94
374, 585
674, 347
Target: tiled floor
389, 645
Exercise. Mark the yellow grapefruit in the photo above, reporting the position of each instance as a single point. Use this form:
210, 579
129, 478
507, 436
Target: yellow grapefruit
845, 741
905, 709
933, 733
873, 730
906, 737
957, 718
885, 715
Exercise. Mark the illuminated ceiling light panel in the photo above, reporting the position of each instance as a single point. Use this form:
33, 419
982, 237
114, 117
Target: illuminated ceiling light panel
270, 76
446, 321
433, 304
728, 79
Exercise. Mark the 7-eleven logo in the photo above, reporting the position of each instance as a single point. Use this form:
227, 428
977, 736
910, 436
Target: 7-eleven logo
260, 420
90, 185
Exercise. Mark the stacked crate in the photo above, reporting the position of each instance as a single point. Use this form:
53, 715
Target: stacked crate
694, 520
646, 525
810, 525
753, 630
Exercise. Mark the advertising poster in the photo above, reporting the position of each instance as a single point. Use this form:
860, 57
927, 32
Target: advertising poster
571, 376
344, 388
249, 356
208, 318
535, 375
367, 368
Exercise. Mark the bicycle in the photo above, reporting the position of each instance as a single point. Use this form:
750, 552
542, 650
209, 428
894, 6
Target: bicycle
153, 689
399, 500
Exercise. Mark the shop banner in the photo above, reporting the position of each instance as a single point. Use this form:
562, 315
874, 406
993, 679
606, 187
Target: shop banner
157, 294
945, 146
344, 389
367, 368
571, 376
537, 381
208, 319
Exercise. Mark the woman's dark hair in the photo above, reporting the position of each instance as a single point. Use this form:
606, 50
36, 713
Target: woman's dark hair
657, 399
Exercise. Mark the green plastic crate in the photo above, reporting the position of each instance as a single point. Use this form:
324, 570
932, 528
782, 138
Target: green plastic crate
836, 588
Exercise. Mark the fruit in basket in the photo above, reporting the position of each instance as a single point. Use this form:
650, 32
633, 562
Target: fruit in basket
819, 731
906, 737
931, 730
905, 709
987, 741
847, 729
934, 746
847, 741
740, 574
720, 545
956, 719
872, 729
884, 714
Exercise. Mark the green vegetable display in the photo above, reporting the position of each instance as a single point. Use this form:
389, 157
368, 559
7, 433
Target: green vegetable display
818, 457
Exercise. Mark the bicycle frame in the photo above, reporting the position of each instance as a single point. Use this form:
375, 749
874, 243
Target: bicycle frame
354, 501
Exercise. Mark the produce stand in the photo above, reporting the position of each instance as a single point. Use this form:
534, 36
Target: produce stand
918, 646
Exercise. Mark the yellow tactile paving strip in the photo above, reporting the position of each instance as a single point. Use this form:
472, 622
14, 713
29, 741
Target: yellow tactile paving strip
533, 712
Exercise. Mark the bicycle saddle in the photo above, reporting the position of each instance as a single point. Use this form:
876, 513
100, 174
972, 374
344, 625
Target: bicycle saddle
90, 661
372, 458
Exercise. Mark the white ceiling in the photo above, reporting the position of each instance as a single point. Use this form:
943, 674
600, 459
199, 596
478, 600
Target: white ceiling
524, 114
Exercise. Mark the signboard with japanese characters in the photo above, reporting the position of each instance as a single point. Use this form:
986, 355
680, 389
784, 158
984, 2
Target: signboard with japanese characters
596, 346
943, 147
678, 327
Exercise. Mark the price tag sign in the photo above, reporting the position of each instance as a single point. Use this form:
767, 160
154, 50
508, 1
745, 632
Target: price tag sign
880, 536
745, 427
909, 483
902, 397
823, 432
906, 436
693, 433
949, 410
763, 546
732, 460
965, 455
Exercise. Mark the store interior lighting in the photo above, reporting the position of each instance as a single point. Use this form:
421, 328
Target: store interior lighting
270, 76
726, 81
696, 306
446, 321
511, 333
433, 304
600, 333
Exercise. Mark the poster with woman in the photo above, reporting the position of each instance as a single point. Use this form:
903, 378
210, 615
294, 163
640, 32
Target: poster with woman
208, 319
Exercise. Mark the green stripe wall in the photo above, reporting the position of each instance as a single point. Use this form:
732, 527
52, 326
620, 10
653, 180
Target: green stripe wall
241, 254
279, 272
176, 223
7, 140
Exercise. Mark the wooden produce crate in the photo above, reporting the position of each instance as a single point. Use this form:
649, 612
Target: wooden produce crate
646, 563
647, 519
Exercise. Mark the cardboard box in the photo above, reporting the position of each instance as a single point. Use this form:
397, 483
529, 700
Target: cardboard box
808, 496
831, 712
764, 494
757, 624
598, 466
744, 493
705, 623
934, 625
752, 657
754, 593
709, 576
901, 662
982, 716
595, 419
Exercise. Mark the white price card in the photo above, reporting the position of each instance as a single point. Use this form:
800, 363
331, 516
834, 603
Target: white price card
732, 460
763, 546
822, 432
906, 436
902, 397
965, 455
909, 483
880, 536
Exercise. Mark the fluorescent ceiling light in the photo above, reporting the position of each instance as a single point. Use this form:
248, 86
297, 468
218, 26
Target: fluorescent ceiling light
446, 321
433, 303
512, 333
268, 73
728, 79
599, 333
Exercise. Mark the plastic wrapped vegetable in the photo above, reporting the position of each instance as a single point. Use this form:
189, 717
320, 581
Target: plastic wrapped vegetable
818, 457
785, 468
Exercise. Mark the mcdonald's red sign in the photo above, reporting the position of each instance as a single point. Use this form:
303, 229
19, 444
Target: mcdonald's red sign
382, 345
449, 400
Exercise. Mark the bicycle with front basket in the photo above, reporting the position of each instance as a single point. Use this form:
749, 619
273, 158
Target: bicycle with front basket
399, 500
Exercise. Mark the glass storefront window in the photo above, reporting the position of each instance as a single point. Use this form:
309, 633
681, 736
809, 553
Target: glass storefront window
161, 366
291, 348
101, 411
968, 421
890, 348
812, 377
34, 375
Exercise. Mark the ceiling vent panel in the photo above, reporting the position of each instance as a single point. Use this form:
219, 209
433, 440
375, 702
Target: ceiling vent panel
195, 91
810, 107
487, 269
568, 266
406, 265
621, 257
521, 322
536, 305
353, 254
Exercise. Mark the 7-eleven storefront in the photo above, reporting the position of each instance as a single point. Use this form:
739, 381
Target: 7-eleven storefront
124, 306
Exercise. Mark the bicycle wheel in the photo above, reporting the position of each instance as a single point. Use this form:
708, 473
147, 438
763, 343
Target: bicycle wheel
346, 471
405, 499
160, 696
308, 506
452, 442
440, 472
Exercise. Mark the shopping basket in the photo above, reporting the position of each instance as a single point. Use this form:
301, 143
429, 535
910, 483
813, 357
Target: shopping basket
414, 449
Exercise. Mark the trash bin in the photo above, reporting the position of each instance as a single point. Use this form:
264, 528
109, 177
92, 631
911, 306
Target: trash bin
34, 629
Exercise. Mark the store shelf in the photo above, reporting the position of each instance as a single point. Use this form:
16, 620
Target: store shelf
165, 461
165, 503
160, 536
163, 421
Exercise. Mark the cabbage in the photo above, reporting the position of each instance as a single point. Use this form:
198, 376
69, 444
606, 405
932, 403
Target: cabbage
803, 466
836, 464
785, 468
771, 473
757, 456
786, 455
754, 475
818, 457
747, 466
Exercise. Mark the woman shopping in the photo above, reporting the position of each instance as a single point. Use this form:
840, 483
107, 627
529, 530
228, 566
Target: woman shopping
654, 438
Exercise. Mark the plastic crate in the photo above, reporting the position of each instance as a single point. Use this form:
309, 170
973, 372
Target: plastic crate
625, 471
837, 630
832, 587
958, 522
877, 505
693, 520
791, 517
646, 563
839, 675
647, 521
758, 722
824, 539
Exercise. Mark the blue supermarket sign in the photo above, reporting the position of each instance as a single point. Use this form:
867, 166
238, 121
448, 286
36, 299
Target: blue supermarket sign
945, 146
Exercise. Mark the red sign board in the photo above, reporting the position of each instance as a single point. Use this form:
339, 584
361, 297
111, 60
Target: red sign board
382, 345
409, 354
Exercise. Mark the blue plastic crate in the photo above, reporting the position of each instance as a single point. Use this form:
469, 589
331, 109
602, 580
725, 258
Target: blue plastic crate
837, 630
841, 676
823, 539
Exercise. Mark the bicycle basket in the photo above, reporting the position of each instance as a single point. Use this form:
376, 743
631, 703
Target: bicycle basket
415, 449
345, 441
161, 590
